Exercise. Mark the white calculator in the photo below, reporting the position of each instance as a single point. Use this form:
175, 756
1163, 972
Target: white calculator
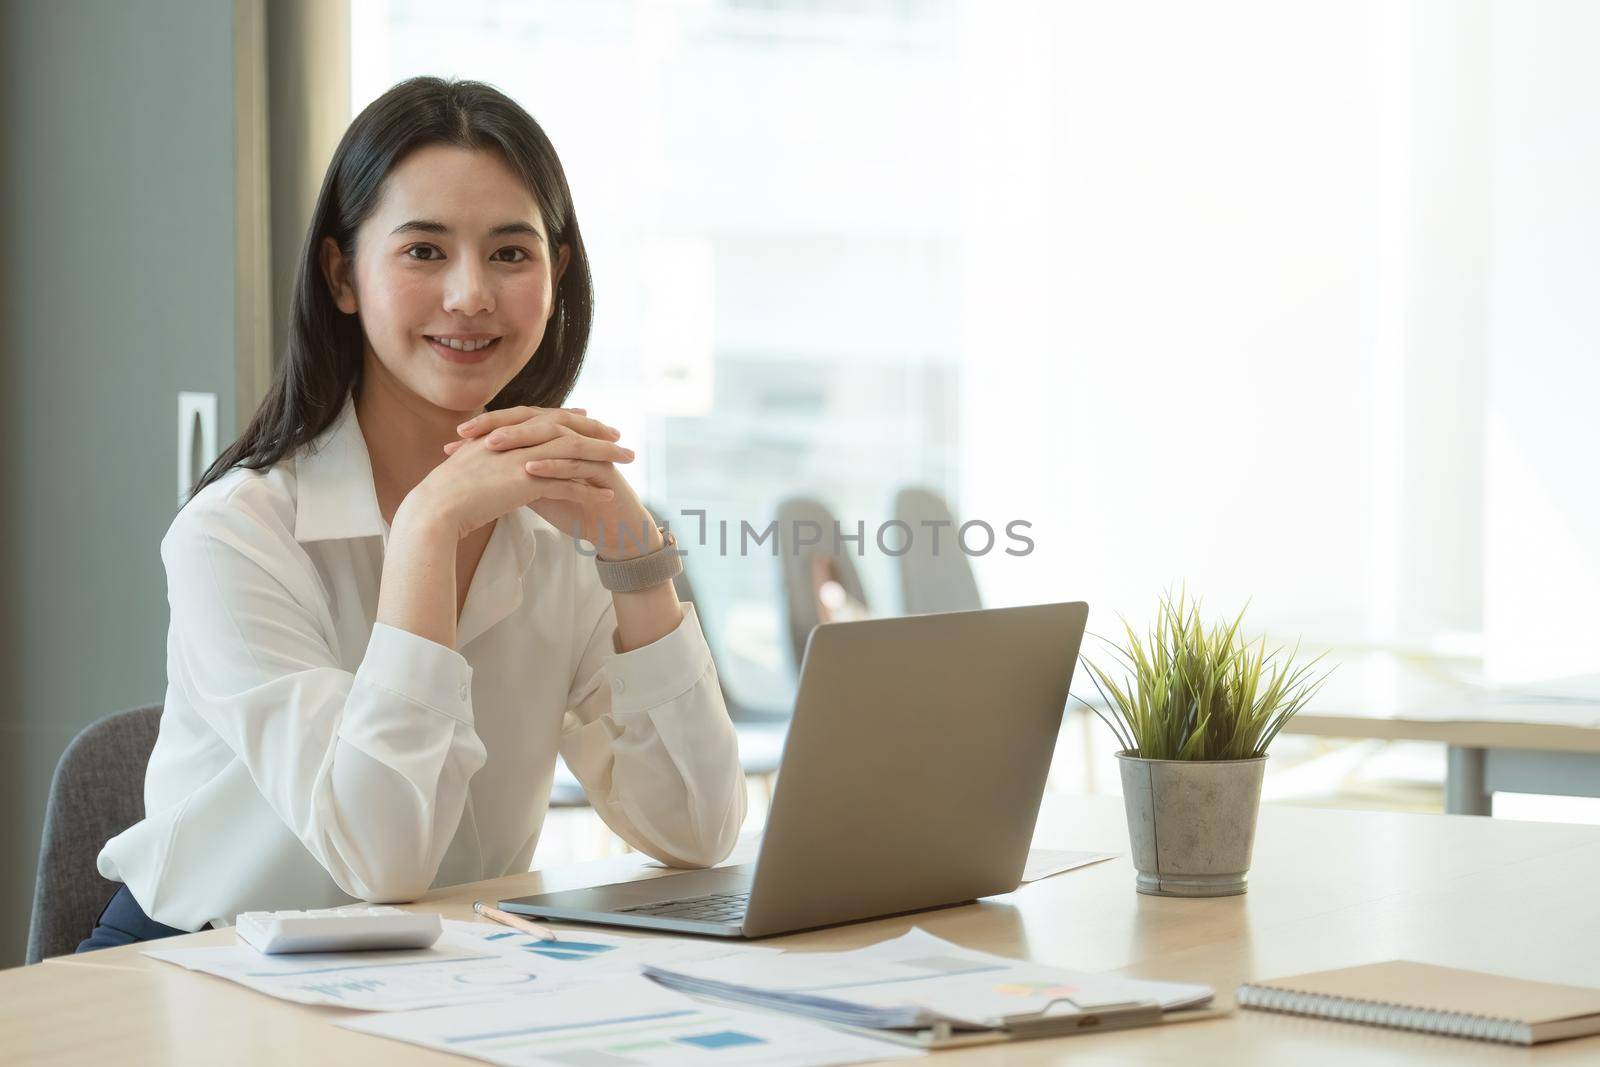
345, 929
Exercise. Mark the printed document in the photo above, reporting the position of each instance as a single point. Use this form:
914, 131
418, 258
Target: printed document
470, 962
917, 981
625, 1021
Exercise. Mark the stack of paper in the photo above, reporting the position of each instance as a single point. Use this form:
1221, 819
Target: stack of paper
914, 982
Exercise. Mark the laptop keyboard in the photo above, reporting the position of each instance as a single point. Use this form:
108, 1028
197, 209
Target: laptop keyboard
713, 908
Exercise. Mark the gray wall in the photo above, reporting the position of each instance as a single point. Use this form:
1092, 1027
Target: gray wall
116, 292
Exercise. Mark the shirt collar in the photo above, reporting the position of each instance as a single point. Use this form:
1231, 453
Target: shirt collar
337, 498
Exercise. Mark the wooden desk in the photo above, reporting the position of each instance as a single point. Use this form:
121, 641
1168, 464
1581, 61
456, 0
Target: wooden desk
1494, 742
1329, 888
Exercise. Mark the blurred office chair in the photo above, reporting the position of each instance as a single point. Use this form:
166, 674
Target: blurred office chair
761, 731
741, 713
933, 581
807, 571
684, 585
96, 793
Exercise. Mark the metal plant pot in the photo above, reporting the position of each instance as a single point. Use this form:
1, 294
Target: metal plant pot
1191, 826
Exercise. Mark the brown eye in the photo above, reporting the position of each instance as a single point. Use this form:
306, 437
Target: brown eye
421, 248
521, 252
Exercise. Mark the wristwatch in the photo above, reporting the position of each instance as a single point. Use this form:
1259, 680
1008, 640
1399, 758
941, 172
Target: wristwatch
642, 572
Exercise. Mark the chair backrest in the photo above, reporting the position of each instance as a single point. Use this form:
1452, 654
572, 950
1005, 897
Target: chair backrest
97, 792
685, 588
797, 571
933, 581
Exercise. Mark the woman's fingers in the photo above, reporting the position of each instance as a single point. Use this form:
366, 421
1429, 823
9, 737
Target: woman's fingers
569, 468
526, 434
571, 446
560, 444
576, 419
583, 424
544, 426
566, 489
489, 420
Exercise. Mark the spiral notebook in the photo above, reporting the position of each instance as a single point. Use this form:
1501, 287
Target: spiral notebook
1436, 1000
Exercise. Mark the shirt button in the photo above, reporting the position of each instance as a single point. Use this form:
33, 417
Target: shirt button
464, 691
618, 685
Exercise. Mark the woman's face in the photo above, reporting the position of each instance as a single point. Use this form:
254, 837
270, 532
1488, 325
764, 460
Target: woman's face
454, 255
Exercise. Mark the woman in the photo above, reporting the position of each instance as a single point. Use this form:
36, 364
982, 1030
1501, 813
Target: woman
383, 630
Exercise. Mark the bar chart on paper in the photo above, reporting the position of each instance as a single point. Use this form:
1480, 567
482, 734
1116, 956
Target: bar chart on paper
653, 1037
627, 1022
471, 962
571, 951
401, 980
587, 956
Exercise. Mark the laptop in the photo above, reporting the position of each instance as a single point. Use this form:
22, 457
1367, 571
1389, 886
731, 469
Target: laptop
911, 779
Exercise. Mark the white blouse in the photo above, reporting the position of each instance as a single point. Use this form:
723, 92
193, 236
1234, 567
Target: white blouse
308, 757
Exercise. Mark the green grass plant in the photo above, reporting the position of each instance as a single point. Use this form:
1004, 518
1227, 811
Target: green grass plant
1183, 691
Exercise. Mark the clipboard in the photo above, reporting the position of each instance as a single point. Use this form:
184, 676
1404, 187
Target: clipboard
1129, 1016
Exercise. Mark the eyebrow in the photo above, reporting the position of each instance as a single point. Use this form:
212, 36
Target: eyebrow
502, 230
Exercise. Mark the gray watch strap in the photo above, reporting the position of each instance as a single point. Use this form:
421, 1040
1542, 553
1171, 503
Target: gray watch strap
642, 572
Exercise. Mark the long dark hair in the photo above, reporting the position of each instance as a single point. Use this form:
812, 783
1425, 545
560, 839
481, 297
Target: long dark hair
321, 359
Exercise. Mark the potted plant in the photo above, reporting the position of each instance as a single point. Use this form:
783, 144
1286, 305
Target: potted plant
1194, 710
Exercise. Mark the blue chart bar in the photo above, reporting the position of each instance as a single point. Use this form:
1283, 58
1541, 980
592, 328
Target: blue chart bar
567, 950
339, 989
524, 1031
722, 1039
573, 946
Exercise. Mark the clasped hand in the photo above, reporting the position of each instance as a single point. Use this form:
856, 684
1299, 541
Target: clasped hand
563, 465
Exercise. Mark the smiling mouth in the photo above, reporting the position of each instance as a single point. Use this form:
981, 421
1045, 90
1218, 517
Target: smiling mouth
463, 350
463, 344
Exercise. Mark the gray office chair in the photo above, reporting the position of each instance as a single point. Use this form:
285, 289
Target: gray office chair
929, 582
761, 732
97, 792
795, 567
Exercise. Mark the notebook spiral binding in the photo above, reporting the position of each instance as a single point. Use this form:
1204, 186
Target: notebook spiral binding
1373, 1013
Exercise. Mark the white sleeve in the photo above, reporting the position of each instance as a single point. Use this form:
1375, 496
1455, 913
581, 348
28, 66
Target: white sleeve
648, 737
370, 769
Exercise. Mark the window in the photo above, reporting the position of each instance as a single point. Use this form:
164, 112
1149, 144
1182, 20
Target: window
776, 233
1203, 292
